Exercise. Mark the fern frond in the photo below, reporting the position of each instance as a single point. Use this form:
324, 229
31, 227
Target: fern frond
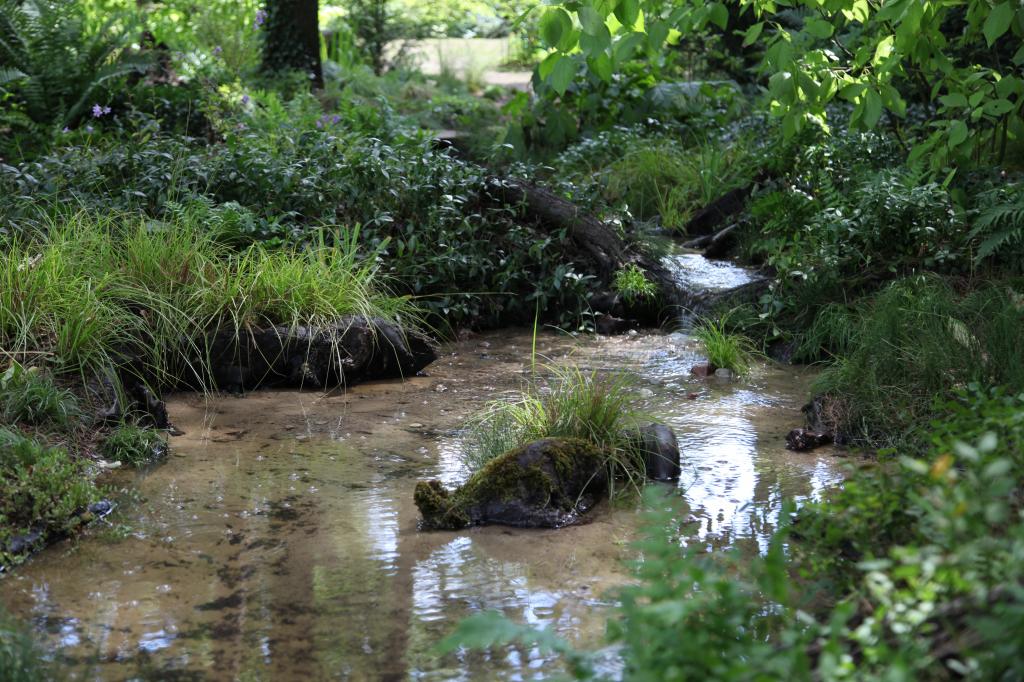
999, 226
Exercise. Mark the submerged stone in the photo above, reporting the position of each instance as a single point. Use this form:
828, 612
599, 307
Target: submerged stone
660, 448
546, 484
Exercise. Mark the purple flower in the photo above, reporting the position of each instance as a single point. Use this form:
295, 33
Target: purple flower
335, 119
97, 111
66, 130
88, 129
106, 110
217, 50
245, 99
261, 16
319, 123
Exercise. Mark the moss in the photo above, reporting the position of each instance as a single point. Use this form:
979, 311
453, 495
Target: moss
530, 481
438, 508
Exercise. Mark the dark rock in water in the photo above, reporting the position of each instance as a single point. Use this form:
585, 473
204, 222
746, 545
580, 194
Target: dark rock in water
718, 211
609, 325
661, 452
824, 415
722, 242
703, 371
608, 303
802, 439
301, 357
546, 484
21, 544
101, 508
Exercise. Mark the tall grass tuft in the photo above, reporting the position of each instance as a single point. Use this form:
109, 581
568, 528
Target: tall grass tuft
574, 404
725, 349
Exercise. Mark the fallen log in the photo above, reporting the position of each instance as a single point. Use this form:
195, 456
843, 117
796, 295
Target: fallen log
596, 238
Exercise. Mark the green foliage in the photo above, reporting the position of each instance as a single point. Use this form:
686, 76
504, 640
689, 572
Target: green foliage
55, 64
999, 225
30, 397
42, 489
133, 444
918, 338
875, 57
724, 349
633, 284
572, 404
21, 658
285, 169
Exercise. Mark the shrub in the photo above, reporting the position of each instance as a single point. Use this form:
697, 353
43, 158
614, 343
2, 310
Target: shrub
41, 489
917, 339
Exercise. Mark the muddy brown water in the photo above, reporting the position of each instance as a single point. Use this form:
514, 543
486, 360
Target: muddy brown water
279, 540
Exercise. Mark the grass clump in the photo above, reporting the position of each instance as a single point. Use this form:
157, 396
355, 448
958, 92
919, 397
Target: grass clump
133, 444
633, 284
919, 338
575, 404
30, 397
725, 349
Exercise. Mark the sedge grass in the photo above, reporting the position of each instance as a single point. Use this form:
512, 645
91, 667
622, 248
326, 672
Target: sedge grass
724, 349
84, 288
571, 404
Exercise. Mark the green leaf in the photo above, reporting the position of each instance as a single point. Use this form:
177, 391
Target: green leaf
719, 15
998, 22
601, 65
595, 44
819, 28
555, 24
626, 46
882, 50
544, 70
627, 12
562, 75
956, 133
752, 34
656, 34
591, 20
954, 100
872, 108
999, 107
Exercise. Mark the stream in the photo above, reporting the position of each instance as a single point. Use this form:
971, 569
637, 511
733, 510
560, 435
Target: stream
279, 539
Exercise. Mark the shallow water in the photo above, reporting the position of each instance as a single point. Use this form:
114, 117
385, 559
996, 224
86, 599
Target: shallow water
279, 540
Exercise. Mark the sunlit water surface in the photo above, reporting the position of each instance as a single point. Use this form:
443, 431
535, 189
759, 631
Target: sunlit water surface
279, 540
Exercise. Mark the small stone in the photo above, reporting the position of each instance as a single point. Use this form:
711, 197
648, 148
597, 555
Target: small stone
440, 388
415, 425
702, 371
723, 373
632, 332
693, 396
645, 393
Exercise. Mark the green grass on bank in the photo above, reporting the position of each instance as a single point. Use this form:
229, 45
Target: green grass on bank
75, 297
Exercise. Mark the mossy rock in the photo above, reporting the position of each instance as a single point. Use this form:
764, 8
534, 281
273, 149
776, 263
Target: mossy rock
546, 484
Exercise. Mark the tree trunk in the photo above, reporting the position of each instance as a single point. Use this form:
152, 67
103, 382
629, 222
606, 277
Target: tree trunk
292, 38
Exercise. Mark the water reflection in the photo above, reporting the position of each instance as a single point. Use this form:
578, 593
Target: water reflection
279, 541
